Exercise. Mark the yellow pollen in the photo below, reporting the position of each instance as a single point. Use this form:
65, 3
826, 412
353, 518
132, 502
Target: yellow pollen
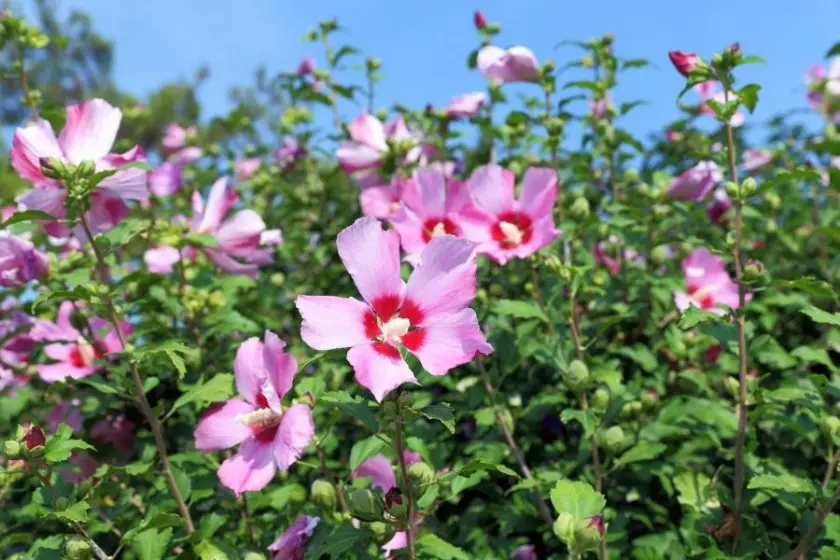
512, 232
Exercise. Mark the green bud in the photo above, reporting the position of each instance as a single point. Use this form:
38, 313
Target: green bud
564, 527
631, 409
644, 190
754, 272
733, 190
649, 398
771, 226
830, 425
613, 439
11, 449
588, 535
378, 528
577, 376
421, 473
373, 63
631, 175
661, 210
773, 200
749, 186
405, 400
85, 169
253, 556
364, 505
77, 548
324, 495
389, 408
733, 386
587, 61
717, 59
660, 254
603, 231
580, 209
600, 399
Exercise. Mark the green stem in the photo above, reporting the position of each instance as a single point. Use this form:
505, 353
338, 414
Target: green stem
406, 482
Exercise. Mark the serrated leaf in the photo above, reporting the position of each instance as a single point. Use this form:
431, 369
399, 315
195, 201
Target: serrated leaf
577, 498
364, 450
333, 542
519, 309
60, 446
353, 408
644, 451
748, 95
820, 316
430, 545
217, 388
586, 418
693, 316
441, 412
782, 483
152, 544
641, 355
206, 550
77, 512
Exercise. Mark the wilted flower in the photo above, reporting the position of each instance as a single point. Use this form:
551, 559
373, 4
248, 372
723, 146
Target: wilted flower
516, 64
428, 316
718, 206
269, 436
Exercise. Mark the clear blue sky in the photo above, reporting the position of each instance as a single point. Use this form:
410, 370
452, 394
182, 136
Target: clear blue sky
423, 45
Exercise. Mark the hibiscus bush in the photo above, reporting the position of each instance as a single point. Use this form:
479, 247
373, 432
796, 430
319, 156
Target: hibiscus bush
503, 328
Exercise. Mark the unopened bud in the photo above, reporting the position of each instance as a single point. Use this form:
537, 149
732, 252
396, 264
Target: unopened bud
11, 449
373, 63
577, 376
421, 473
684, 62
323, 494
580, 209
77, 548
600, 399
479, 20
85, 169
564, 527
589, 535
660, 254
34, 436
733, 190
364, 505
613, 439
649, 397
830, 425
749, 186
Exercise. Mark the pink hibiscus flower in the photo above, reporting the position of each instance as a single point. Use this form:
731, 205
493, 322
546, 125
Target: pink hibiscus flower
718, 206
502, 226
245, 168
516, 64
428, 316
695, 183
116, 430
74, 356
176, 144
269, 436
166, 179
466, 105
289, 153
369, 143
20, 261
88, 135
68, 412
292, 543
239, 237
756, 159
708, 285
381, 471
709, 90
431, 209
383, 201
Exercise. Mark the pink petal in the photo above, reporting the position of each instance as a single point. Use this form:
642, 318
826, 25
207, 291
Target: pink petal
368, 130
492, 188
378, 372
240, 234
249, 369
105, 213
293, 436
29, 145
431, 193
219, 429
466, 105
45, 199
444, 280
251, 469
542, 234
397, 542
162, 260
229, 264
63, 370
166, 179
90, 130
355, 156
380, 471
450, 341
271, 237
410, 227
331, 322
372, 257
522, 65
128, 184
221, 198
539, 192
489, 61
379, 202
279, 365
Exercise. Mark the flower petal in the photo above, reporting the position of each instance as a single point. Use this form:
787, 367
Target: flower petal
29, 145
449, 342
279, 365
444, 280
249, 369
372, 257
356, 156
293, 436
368, 130
410, 227
331, 322
492, 188
229, 264
90, 130
45, 199
240, 234
218, 428
380, 471
221, 198
251, 469
539, 192
379, 372
162, 260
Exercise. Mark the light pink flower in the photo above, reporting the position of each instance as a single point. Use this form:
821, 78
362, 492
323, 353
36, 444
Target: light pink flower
88, 135
431, 207
20, 261
397, 542
176, 144
695, 183
502, 226
383, 201
516, 64
289, 153
466, 105
718, 206
74, 356
270, 437
116, 430
380, 470
708, 285
369, 143
166, 179
756, 159
600, 108
292, 543
245, 168
239, 237
709, 90
428, 316
68, 412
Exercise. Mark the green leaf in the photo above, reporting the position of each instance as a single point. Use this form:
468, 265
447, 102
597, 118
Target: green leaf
749, 96
152, 544
693, 316
353, 408
363, 450
479, 465
201, 240
519, 309
692, 490
77, 512
821, 316
809, 354
157, 521
441, 412
432, 546
26, 216
173, 349
586, 418
783, 483
833, 51
217, 388
60, 446
576, 498
641, 355
644, 451
135, 469
333, 542
206, 550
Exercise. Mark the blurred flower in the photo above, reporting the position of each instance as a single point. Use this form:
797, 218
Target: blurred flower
68, 412
756, 158
74, 355
292, 543
479, 20
306, 66
696, 182
176, 144
718, 206
516, 64
166, 179
116, 430
245, 168
524, 552
673, 136
289, 153
269, 436
708, 91
383, 201
428, 316
79, 467
466, 105
20, 262
708, 285
88, 135
684, 62
502, 226
431, 206
380, 471
599, 108
369, 143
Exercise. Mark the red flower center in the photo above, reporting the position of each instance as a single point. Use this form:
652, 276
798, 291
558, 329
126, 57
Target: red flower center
702, 296
390, 322
512, 230
434, 227
263, 422
83, 354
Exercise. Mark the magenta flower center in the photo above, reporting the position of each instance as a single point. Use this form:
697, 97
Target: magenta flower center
435, 227
703, 296
512, 230
85, 353
390, 322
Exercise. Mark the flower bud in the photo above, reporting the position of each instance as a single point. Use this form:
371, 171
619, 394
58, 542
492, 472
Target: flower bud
577, 376
405, 400
323, 494
11, 449
773, 200
717, 59
34, 436
613, 439
364, 505
684, 62
85, 169
479, 20
748, 186
589, 535
77, 548
771, 226
564, 527
734, 49
421, 473
733, 190
649, 398
733, 387
378, 528
660, 254
754, 272
830, 425
373, 63
600, 399
253, 556
580, 209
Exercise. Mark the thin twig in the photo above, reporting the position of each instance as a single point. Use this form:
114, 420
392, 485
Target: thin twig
829, 470
145, 408
406, 482
808, 539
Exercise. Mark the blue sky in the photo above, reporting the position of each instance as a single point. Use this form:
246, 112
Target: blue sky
424, 45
